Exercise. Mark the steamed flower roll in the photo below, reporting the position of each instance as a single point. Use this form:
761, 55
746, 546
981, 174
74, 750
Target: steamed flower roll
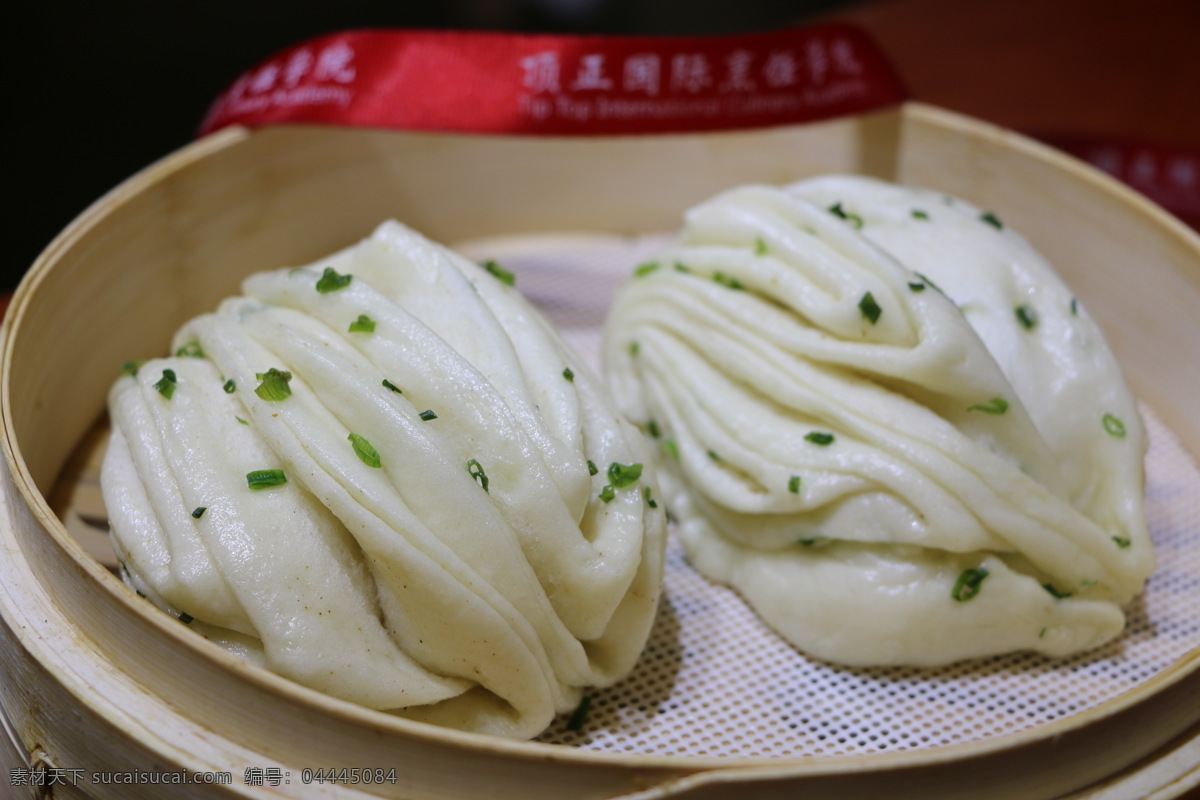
884, 420
385, 477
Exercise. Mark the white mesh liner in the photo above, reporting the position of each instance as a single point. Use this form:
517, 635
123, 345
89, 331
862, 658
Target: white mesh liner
714, 681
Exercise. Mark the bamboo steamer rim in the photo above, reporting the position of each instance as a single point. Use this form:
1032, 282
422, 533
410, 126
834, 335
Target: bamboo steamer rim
830, 765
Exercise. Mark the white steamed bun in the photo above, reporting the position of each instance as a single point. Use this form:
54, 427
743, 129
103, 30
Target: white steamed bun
886, 422
441, 547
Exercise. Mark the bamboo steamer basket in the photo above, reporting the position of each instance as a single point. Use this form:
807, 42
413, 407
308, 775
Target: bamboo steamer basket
94, 679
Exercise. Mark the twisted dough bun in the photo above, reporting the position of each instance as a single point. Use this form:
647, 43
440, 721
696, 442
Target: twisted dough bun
438, 546
887, 423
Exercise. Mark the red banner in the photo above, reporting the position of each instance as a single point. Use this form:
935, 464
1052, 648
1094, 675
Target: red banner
562, 85
1168, 175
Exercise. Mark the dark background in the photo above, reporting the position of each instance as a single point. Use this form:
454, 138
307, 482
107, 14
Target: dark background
95, 92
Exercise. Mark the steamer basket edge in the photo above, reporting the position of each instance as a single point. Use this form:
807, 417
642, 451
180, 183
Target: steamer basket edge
914, 127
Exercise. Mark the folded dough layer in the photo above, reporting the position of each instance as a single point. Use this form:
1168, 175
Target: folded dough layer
886, 422
430, 533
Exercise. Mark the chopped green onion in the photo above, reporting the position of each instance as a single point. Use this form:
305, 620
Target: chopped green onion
817, 437
475, 469
670, 448
997, 405
650, 501
579, 715
634, 347
645, 269
652, 428
239, 419
1074, 307
331, 281
198, 512
427, 415
621, 475
265, 478
727, 280
916, 287
794, 484
712, 454
1049, 587
919, 214
132, 367
837, 210
389, 385
1026, 316
681, 267
1113, 426
190, 350
607, 494
186, 618
592, 468
568, 374
869, 308
230, 387
365, 452
363, 324
760, 247
928, 282
813, 541
167, 383
968, 584
274, 385
500, 273
991, 219
1042, 632
1122, 542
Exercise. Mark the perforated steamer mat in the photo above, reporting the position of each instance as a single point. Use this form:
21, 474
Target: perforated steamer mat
713, 681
